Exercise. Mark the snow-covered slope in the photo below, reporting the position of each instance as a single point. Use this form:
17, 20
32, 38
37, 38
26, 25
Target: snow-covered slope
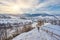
41, 35
33, 35
53, 30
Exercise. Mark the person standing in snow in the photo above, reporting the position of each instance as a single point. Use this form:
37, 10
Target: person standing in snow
39, 24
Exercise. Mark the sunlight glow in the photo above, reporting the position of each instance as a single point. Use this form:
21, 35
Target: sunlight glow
15, 8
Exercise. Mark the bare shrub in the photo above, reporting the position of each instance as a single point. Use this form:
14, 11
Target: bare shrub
27, 28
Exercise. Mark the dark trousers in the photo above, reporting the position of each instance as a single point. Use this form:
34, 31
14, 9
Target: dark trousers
38, 28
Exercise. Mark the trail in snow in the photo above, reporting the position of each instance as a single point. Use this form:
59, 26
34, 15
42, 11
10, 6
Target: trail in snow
55, 29
41, 35
34, 35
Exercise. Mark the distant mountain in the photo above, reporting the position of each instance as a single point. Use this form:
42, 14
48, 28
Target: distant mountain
26, 15
37, 14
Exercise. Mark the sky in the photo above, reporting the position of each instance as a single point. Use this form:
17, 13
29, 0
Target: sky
29, 6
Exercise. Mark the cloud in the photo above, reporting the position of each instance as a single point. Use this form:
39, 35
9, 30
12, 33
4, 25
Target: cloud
48, 6
31, 6
5, 5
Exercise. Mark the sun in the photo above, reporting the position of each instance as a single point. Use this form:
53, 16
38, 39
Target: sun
15, 8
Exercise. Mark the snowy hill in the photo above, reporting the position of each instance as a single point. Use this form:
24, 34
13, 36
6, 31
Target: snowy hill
35, 15
41, 35
33, 35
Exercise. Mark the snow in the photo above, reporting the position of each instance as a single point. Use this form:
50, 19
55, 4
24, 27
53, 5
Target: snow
13, 20
52, 28
41, 35
55, 29
12, 30
34, 24
33, 35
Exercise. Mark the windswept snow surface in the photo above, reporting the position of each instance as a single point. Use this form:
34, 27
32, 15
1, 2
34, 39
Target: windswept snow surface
41, 35
55, 29
52, 28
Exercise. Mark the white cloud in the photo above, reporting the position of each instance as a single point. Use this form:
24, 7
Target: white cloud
30, 6
5, 5
45, 7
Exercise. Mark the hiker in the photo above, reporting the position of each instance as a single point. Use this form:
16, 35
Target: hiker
39, 24
38, 28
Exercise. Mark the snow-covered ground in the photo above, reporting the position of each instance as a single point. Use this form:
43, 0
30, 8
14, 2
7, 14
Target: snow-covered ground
53, 30
33, 35
41, 35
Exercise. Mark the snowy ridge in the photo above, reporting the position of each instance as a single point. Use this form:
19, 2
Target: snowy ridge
41, 35
33, 35
53, 30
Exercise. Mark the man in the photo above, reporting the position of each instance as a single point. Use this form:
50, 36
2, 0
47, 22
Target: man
40, 23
